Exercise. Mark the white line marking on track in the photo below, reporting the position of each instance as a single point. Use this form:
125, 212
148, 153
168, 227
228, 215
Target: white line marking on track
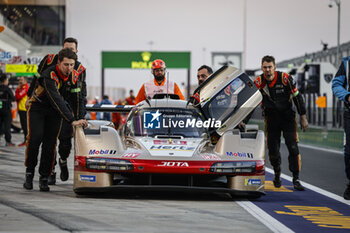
263, 217
313, 188
321, 149
270, 222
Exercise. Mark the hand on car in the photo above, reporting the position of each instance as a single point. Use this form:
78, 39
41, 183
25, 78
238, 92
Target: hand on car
81, 122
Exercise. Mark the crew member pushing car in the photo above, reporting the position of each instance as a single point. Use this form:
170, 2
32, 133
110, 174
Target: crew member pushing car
76, 98
159, 84
47, 106
278, 89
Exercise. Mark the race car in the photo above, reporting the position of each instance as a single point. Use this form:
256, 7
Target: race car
167, 144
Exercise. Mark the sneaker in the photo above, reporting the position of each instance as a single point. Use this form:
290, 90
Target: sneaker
10, 144
52, 179
28, 184
347, 193
277, 182
298, 186
64, 169
22, 144
43, 184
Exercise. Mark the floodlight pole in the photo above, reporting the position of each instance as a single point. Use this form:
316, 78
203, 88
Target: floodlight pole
338, 57
338, 33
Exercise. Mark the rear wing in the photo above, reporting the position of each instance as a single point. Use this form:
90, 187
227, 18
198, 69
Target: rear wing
109, 108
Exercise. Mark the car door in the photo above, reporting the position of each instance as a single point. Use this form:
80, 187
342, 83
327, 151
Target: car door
228, 95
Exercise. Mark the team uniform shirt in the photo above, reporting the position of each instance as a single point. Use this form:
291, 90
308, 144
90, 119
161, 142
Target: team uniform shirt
50, 92
21, 96
278, 94
6, 97
76, 85
130, 100
152, 87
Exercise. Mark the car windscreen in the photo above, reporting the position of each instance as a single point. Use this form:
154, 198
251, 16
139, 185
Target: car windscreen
166, 122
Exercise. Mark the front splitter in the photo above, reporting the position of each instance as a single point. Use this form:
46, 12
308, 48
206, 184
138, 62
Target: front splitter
172, 188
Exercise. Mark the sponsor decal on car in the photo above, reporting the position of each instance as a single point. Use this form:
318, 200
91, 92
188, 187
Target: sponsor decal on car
252, 182
131, 155
162, 147
102, 152
210, 157
87, 178
240, 154
155, 120
167, 142
173, 164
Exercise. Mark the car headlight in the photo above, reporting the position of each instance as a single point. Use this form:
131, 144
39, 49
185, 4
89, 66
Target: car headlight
108, 164
233, 167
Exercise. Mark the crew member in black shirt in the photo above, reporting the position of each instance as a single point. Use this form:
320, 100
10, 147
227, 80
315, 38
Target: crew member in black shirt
76, 98
47, 107
278, 90
6, 97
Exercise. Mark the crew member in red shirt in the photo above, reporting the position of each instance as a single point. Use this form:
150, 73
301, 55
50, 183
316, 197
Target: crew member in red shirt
21, 98
131, 99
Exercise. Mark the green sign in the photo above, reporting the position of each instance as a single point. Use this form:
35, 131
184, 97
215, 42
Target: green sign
143, 60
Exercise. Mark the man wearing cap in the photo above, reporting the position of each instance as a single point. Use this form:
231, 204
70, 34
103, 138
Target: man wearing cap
159, 84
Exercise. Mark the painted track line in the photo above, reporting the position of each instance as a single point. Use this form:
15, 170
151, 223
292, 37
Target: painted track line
314, 188
321, 149
273, 224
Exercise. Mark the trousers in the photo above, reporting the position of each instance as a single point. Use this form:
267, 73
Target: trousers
43, 128
275, 124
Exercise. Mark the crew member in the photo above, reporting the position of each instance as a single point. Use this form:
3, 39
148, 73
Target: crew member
105, 101
46, 107
131, 99
76, 98
278, 90
6, 97
203, 73
341, 89
21, 98
159, 84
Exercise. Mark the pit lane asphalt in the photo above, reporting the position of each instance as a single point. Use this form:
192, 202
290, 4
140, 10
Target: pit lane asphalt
320, 167
61, 211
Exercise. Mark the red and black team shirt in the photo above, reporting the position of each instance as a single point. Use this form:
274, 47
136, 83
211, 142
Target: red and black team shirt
278, 94
75, 90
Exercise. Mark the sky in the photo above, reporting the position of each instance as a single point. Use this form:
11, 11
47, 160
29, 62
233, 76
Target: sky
292, 28
282, 28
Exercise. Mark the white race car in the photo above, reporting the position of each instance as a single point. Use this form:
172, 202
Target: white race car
169, 144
